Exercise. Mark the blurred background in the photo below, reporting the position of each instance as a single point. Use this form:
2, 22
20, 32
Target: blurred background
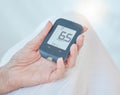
19, 18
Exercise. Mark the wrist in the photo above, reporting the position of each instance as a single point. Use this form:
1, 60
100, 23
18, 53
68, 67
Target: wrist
3, 80
6, 83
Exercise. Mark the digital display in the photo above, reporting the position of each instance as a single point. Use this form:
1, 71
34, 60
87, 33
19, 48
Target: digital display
61, 37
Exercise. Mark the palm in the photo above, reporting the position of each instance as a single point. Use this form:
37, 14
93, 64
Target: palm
33, 68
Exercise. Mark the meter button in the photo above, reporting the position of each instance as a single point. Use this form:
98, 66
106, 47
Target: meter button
59, 51
48, 46
49, 58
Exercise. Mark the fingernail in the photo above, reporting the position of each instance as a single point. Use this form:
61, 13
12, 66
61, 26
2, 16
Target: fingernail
83, 36
85, 28
60, 59
49, 22
75, 48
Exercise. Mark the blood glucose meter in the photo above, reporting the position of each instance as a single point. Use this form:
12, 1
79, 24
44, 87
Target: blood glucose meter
59, 39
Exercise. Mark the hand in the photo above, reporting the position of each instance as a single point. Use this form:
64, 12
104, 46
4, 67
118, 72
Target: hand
28, 68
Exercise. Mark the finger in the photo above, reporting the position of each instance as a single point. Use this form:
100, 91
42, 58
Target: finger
80, 38
37, 41
59, 72
79, 41
84, 29
72, 57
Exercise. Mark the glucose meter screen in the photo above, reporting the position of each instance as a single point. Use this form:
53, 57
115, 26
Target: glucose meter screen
61, 37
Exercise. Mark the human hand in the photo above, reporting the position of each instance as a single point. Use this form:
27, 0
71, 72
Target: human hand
28, 68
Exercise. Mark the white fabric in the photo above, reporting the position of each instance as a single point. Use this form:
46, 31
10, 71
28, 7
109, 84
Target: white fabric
93, 74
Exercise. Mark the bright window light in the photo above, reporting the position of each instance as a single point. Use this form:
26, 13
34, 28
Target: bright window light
94, 10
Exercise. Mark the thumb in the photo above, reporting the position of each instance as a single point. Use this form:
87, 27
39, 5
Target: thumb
37, 41
59, 72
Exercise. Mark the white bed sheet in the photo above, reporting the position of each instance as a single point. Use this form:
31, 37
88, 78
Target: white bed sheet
93, 74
